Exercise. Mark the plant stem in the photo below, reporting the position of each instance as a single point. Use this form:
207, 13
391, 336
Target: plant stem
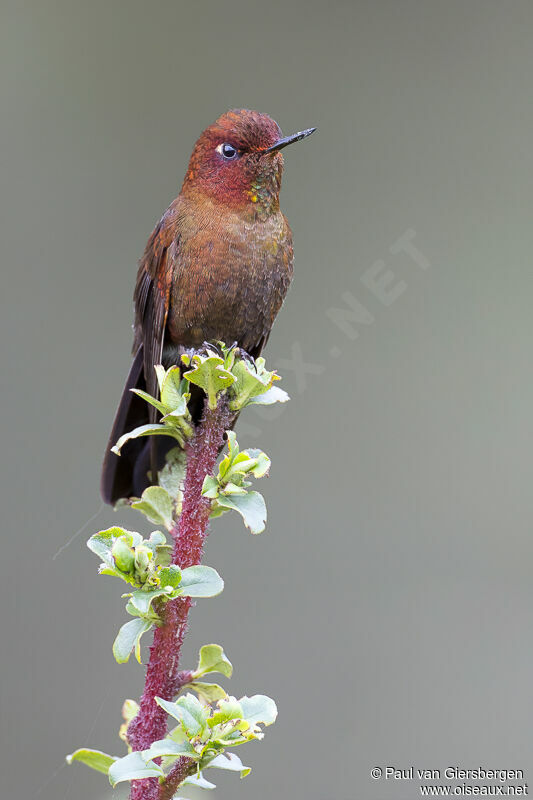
163, 678
182, 769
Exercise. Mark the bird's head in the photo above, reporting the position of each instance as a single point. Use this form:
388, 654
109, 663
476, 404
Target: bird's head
237, 161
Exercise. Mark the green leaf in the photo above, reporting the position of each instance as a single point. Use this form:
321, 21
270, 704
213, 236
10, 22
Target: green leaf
94, 759
149, 616
199, 781
210, 375
234, 468
173, 473
217, 511
172, 396
101, 543
180, 423
118, 547
227, 461
243, 464
271, 396
130, 709
210, 487
142, 601
144, 566
208, 692
197, 581
262, 462
160, 372
123, 555
227, 709
159, 547
133, 767
232, 489
251, 380
129, 637
213, 659
113, 546
251, 506
259, 709
155, 539
188, 711
170, 576
151, 400
200, 581
153, 429
231, 762
177, 734
167, 747
163, 555
156, 505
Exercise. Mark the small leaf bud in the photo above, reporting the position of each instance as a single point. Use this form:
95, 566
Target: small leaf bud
143, 557
123, 555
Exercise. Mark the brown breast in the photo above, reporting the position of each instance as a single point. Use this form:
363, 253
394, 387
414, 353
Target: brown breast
230, 275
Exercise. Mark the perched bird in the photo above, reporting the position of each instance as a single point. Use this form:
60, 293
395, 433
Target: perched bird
217, 266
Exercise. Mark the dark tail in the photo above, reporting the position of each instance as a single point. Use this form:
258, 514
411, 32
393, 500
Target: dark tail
127, 475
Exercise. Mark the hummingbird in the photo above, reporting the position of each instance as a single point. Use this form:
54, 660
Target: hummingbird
216, 267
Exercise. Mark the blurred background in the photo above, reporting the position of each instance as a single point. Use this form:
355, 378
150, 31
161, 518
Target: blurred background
388, 607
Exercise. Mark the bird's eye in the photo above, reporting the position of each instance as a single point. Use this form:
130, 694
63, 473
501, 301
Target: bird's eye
227, 151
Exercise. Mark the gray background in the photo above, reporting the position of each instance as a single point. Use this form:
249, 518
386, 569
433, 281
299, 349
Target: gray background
388, 607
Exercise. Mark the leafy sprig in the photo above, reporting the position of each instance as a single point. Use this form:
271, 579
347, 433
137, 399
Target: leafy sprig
204, 732
228, 489
144, 564
206, 722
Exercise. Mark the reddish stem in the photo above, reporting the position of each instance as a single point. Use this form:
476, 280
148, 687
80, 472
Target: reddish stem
163, 678
182, 769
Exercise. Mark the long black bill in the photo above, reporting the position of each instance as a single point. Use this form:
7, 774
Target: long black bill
281, 143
